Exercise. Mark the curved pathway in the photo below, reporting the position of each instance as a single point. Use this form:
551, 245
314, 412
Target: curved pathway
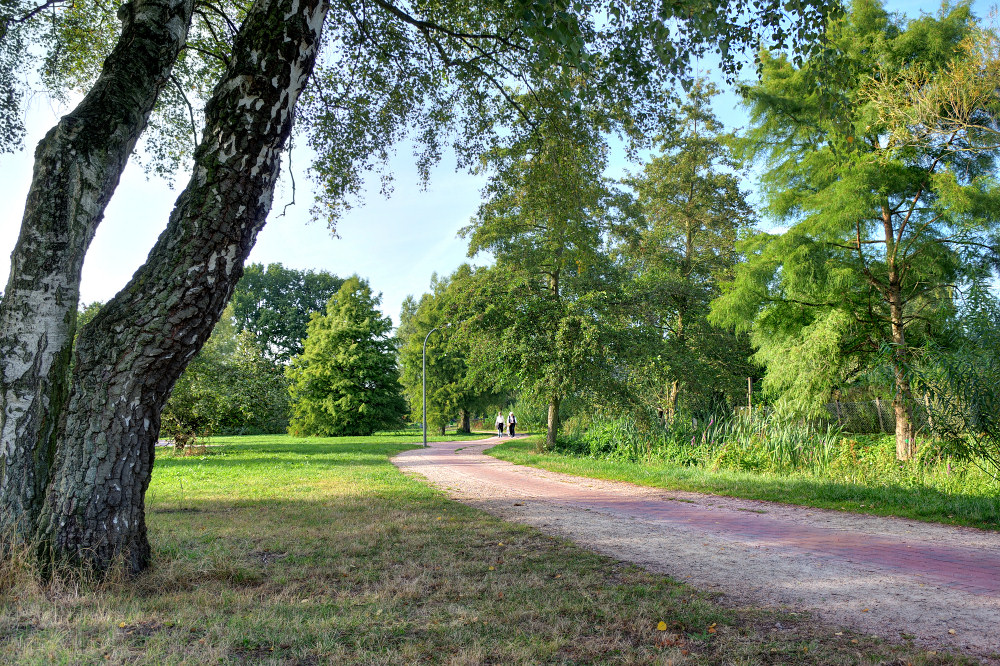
885, 576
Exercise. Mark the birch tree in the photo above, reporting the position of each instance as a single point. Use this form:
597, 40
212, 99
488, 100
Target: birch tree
78, 448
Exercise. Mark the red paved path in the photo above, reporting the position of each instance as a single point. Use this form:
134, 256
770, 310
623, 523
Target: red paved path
972, 569
967, 567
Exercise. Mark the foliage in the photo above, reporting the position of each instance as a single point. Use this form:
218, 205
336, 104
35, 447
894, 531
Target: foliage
229, 388
236, 384
881, 230
537, 316
13, 49
274, 303
863, 476
690, 214
346, 381
450, 391
438, 72
86, 313
926, 105
961, 383
745, 441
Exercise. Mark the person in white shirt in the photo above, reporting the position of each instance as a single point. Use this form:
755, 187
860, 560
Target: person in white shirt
511, 422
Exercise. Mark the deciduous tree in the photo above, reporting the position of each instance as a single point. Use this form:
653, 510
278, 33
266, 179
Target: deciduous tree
229, 388
274, 303
543, 216
451, 391
692, 213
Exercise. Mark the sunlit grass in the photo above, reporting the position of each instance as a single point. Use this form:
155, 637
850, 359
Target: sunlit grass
894, 496
318, 551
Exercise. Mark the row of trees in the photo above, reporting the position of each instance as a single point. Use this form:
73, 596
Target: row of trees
533, 86
878, 157
237, 383
597, 296
302, 351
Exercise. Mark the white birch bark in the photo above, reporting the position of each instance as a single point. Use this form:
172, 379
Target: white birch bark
131, 354
77, 168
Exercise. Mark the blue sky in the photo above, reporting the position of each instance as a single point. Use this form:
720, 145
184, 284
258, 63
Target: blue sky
397, 244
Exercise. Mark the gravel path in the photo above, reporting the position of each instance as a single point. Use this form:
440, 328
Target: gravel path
883, 576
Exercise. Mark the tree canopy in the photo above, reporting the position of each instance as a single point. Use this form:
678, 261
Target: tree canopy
691, 214
346, 381
543, 217
273, 304
881, 230
451, 391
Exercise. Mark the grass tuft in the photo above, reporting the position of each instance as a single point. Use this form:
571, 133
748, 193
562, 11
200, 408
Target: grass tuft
274, 550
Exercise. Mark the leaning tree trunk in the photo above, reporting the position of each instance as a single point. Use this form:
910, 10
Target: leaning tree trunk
77, 168
129, 357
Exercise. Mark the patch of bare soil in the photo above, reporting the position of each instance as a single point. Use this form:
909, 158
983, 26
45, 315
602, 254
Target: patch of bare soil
875, 595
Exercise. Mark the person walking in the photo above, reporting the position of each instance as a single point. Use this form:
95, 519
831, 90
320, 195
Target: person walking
511, 422
499, 424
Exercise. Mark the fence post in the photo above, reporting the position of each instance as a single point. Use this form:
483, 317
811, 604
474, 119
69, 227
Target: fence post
878, 410
839, 420
749, 394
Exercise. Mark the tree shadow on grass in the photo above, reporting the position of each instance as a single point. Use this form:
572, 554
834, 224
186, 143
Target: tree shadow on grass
322, 455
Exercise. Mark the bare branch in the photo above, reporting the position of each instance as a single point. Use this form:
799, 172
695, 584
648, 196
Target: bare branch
194, 126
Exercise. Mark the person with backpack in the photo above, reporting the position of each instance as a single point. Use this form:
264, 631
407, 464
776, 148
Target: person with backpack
511, 422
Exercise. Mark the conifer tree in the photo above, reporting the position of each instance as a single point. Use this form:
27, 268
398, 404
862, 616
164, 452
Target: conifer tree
346, 381
881, 231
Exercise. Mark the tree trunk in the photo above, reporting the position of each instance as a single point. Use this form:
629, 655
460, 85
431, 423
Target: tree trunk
673, 392
902, 403
902, 406
77, 168
129, 357
465, 426
553, 424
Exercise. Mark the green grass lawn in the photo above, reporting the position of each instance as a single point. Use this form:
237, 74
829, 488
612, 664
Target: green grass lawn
905, 498
315, 551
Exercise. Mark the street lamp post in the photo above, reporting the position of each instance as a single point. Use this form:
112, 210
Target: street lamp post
423, 359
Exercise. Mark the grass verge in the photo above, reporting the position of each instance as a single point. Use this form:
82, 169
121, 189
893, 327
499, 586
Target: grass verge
280, 551
907, 501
